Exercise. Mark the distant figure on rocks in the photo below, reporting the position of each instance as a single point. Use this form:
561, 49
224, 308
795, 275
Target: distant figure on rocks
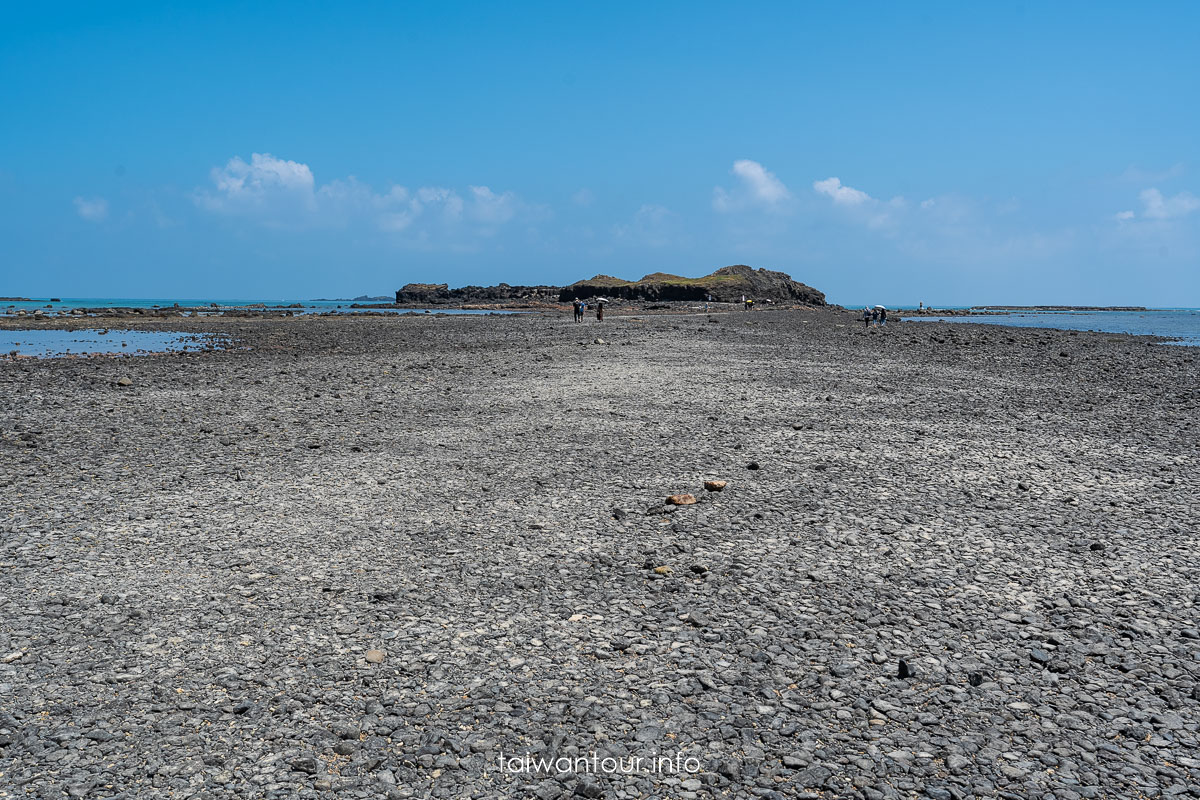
578, 309
882, 317
749, 303
921, 306
600, 311
866, 317
875, 316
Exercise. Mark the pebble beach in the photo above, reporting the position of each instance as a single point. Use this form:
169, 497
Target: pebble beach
413, 556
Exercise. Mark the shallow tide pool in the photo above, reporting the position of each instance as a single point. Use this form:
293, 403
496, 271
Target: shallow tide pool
58, 343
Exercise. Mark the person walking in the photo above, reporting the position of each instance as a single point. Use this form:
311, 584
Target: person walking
575, 308
600, 311
875, 317
866, 317
882, 317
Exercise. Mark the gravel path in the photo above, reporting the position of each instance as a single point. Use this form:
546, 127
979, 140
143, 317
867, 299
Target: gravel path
383, 557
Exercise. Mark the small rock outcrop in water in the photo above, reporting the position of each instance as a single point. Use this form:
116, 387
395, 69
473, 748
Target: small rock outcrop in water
726, 285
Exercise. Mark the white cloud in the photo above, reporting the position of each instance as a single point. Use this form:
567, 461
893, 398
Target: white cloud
763, 185
1121, 216
867, 209
1159, 207
264, 184
437, 200
652, 226
583, 197
841, 194
284, 194
93, 209
757, 187
263, 173
492, 208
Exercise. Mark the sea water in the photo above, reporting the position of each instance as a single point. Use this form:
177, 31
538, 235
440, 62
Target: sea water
1180, 324
59, 305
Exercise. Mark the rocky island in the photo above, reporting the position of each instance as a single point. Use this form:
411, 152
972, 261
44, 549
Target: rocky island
727, 285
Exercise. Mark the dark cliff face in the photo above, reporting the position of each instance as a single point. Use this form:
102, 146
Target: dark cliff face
726, 285
440, 293
634, 291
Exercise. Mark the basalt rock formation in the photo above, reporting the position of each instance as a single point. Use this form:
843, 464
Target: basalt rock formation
726, 285
442, 294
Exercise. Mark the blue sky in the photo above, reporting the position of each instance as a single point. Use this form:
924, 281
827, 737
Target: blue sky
950, 153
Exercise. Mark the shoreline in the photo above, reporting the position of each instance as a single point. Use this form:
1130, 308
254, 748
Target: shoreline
847, 317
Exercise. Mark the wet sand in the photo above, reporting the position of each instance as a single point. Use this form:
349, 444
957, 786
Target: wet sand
367, 557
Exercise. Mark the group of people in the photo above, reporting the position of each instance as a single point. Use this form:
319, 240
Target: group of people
580, 307
876, 316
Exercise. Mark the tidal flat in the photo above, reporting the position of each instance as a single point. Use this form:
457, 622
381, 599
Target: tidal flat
376, 557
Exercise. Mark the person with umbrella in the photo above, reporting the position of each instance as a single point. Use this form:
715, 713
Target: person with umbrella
882, 312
